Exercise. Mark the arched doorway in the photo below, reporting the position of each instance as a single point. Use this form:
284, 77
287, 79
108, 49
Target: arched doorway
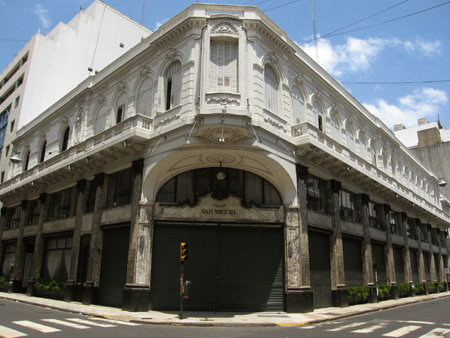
232, 221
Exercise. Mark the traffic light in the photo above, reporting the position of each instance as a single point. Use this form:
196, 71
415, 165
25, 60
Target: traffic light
183, 252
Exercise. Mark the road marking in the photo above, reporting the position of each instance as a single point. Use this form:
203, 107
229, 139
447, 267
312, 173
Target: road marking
402, 331
89, 322
340, 328
6, 332
36, 326
115, 321
416, 322
64, 323
438, 332
370, 329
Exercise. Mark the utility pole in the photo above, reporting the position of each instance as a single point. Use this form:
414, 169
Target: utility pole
314, 30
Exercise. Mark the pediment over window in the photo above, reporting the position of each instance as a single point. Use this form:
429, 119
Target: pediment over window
224, 28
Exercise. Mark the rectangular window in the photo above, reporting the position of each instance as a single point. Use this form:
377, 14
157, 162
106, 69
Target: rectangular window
62, 204
9, 251
374, 216
2, 178
395, 228
57, 255
11, 128
315, 195
33, 216
17, 101
120, 111
119, 189
7, 151
224, 66
348, 210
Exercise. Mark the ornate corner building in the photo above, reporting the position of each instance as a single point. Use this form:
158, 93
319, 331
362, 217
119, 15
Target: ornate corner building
218, 131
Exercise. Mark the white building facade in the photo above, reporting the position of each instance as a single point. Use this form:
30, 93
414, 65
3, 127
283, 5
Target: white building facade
51, 65
219, 131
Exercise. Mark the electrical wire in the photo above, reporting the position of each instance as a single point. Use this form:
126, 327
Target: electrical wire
366, 18
379, 23
288, 3
395, 83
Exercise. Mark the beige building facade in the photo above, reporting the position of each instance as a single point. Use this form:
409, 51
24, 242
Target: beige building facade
219, 131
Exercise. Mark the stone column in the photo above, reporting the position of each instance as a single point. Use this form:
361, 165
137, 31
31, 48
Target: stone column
15, 281
402, 219
431, 262
338, 289
82, 193
362, 204
420, 260
299, 294
442, 240
2, 226
90, 287
136, 294
389, 252
38, 254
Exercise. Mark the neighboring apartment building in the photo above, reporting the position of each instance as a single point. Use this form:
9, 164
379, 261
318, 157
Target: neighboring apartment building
51, 65
218, 131
430, 143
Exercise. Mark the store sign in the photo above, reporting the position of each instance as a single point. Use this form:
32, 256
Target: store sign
447, 271
213, 210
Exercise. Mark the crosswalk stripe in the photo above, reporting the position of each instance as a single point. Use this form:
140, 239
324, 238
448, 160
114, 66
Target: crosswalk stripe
340, 328
64, 323
6, 332
438, 332
89, 322
415, 322
36, 326
116, 321
370, 329
402, 331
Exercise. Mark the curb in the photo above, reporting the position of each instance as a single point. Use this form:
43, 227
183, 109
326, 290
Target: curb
179, 322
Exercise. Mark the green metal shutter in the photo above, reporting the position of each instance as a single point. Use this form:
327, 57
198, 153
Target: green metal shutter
378, 257
231, 269
319, 258
352, 261
114, 266
251, 269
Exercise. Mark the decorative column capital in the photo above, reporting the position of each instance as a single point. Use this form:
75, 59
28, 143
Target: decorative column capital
302, 171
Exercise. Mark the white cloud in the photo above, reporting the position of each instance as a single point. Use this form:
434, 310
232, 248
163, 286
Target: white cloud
357, 55
423, 47
352, 56
42, 15
160, 23
424, 102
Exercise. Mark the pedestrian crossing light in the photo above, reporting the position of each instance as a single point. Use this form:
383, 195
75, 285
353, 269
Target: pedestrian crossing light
183, 252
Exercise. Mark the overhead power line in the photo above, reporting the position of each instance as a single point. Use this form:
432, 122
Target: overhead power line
366, 18
379, 23
396, 82
282, 5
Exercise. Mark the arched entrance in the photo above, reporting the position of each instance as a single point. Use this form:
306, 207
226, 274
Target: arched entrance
232, 221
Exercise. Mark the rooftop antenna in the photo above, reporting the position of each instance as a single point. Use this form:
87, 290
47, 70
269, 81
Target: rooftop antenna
314, 30
143, 12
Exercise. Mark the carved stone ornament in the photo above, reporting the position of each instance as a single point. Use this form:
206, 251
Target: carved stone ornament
224, 28
335, 109
224, 99
145, 71
216, 159
101, 100
122, 86
171, 54
227, 134
318, 95
273, 58
298, 80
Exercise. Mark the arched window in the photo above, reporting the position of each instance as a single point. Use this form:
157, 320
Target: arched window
318, 111
121, 108
65, 139
350, 137
298, 105
42, 153
335, 127
189, 186
26, 162
100, 120
271, 89
172, 85
145, 98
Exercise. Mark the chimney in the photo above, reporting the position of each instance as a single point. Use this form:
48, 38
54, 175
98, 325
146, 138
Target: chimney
422, 121
398, 127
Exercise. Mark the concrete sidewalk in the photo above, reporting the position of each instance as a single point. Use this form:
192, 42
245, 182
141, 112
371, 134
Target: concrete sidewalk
218, 318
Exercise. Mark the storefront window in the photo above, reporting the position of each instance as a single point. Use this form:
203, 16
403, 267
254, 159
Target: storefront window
57, 258
348, 209
315, 195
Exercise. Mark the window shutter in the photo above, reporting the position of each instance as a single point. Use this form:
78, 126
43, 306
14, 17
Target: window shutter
176, 88
145, 95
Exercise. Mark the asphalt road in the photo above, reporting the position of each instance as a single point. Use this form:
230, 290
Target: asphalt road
417, 320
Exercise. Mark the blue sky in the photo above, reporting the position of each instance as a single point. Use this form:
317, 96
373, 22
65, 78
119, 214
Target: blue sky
382, 47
